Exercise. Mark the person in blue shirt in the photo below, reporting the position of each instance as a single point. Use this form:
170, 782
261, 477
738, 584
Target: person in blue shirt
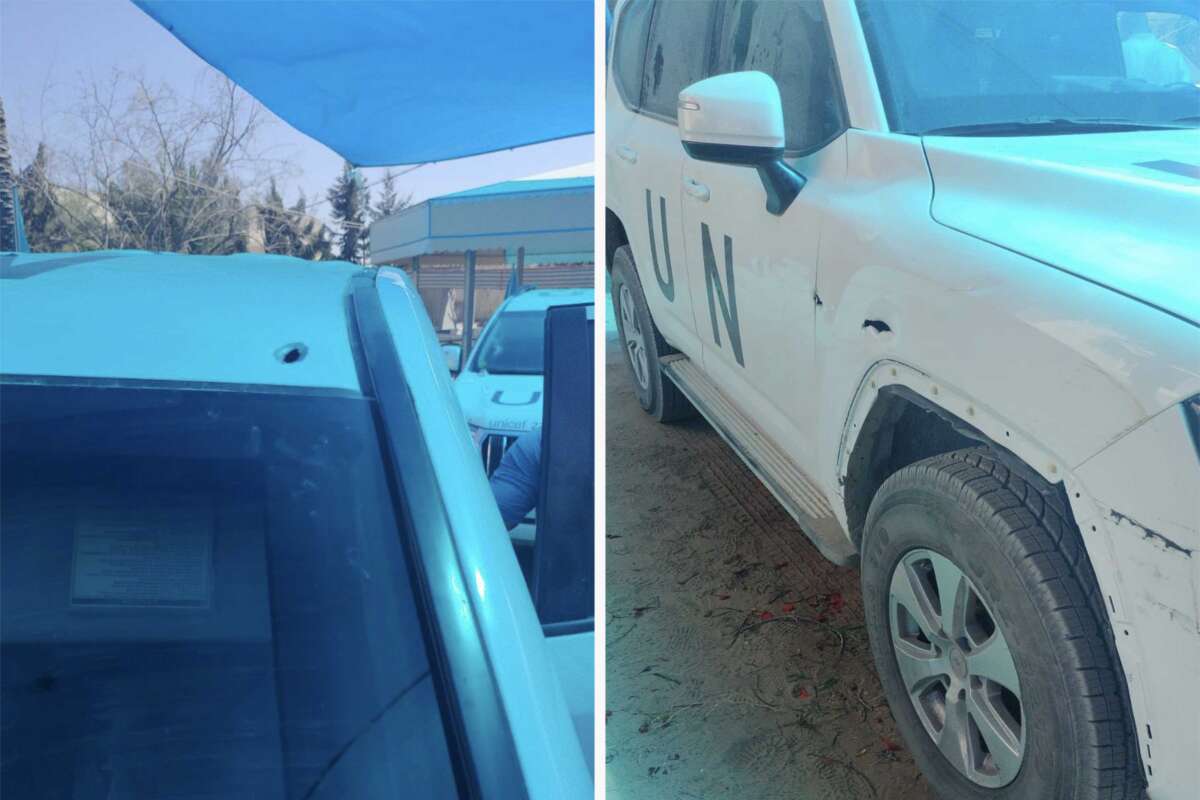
515, 482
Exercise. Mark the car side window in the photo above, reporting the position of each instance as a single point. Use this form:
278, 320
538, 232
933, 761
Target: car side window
790, 42
676, 53
629, 50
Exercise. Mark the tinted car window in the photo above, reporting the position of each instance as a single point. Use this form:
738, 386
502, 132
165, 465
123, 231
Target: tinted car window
790, 42
955, 64
514, 345
204, 595
629, 49
676, 55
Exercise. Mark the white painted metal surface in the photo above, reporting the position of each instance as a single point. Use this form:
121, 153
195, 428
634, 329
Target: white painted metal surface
735, 109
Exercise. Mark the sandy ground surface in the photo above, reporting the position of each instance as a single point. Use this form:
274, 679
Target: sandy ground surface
737, 662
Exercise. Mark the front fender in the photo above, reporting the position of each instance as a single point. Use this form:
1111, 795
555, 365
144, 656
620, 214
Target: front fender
1138, 501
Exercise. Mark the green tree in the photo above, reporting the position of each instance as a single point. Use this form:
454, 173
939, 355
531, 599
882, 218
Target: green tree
44, 226
349, 200
312, 237
8, 216
291, 231
389, 201
278, 234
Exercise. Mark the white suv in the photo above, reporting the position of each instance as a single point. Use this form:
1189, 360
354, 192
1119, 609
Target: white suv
500, 388
933, 270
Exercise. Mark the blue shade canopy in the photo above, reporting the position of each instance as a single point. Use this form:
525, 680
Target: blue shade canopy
384, 83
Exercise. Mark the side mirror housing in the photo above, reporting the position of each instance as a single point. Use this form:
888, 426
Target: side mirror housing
737, 118
453, 355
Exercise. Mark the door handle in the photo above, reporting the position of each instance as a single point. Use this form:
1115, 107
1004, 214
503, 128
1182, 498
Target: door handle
696, 189
627, 153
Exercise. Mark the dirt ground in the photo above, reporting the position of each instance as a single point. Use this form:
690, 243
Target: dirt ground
737, 661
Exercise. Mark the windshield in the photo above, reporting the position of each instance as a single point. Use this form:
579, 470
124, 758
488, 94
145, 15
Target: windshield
205, 595
949, 63
513, 345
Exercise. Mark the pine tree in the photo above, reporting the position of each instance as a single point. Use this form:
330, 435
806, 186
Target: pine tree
350, 200
8, 216
389, 202
278, 233
44, 227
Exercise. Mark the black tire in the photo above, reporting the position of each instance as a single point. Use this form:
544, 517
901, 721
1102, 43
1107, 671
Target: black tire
658, 395
1026, 562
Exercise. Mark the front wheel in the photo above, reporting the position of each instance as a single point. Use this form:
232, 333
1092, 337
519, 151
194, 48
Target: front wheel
990, 638
643, 345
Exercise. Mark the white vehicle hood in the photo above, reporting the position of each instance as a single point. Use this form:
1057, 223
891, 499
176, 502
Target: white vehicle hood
1118, 209
508, 403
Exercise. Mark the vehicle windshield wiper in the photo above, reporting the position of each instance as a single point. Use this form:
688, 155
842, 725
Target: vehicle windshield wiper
1047, 127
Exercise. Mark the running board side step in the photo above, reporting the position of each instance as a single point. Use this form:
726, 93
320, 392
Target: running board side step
798, 495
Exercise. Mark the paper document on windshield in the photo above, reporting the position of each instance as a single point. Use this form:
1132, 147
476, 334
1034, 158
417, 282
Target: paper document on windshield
159, 559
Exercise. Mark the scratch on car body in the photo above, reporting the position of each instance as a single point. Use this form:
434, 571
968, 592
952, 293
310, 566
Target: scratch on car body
1149, 533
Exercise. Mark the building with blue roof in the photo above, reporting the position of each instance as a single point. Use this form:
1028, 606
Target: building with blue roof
552, 219
542, 228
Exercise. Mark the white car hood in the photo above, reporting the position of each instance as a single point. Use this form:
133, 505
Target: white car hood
507, 403
1119, 209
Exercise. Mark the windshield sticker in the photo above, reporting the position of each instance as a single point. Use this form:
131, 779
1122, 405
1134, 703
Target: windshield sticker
164, 563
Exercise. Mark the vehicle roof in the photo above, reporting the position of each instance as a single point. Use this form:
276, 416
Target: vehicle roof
162, 316
541, 299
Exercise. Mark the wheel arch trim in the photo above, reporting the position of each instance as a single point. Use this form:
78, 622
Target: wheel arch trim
965, 414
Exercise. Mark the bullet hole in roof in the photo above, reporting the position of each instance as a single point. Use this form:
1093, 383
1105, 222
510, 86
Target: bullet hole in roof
291, 353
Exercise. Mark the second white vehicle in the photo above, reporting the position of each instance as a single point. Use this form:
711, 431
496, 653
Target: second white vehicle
500, 386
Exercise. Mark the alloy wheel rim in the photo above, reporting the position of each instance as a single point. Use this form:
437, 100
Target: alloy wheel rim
957, 668
635, 342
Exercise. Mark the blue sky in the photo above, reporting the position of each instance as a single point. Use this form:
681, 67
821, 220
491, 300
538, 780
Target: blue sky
45, 48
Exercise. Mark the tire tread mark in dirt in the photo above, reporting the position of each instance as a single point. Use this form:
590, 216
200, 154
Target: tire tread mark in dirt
788, 711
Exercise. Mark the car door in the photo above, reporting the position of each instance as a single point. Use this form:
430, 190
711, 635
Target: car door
563, 583
663, 44
752, 273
